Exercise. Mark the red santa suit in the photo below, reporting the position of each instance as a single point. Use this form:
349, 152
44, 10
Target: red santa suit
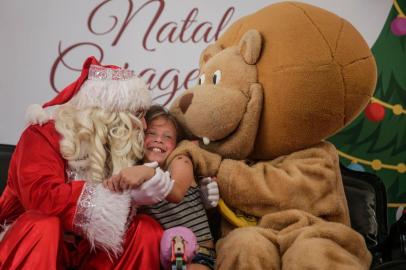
40, 204
51, 221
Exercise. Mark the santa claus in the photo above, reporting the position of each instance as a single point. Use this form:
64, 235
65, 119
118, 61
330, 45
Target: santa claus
54, 210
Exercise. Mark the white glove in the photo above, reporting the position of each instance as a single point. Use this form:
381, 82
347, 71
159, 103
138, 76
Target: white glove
153, 190
153, 164
209, 192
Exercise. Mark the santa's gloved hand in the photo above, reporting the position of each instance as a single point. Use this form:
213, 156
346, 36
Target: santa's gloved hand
153, 190
153, 164
209, 192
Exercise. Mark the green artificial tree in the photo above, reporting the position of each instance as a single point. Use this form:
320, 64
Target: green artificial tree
376, 140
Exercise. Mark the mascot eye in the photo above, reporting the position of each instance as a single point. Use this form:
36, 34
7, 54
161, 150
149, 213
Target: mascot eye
216, 77
201, 80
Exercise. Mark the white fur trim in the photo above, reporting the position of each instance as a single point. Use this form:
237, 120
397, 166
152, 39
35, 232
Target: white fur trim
113, 95
103, 221
35, 114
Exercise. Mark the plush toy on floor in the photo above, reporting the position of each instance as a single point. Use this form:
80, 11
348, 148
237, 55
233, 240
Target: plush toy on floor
178, 247
272, 88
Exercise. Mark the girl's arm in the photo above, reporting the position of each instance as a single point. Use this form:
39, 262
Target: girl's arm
181, 170
129, 178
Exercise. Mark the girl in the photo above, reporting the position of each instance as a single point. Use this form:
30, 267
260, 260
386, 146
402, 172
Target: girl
183, 205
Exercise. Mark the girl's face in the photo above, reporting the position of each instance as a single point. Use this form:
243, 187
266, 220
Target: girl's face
160, 140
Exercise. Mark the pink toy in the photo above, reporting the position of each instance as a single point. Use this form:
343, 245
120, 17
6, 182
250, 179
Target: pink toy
175, 242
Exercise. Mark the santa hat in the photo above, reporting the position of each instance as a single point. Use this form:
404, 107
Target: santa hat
107, 87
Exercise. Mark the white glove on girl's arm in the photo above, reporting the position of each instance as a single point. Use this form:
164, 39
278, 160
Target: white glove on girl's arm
153, 190
209, 192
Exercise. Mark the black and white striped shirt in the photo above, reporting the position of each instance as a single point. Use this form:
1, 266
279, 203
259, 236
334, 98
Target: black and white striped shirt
189, 213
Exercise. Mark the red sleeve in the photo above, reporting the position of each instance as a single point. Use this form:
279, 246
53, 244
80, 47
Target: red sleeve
10, 207
38, 179
37, 175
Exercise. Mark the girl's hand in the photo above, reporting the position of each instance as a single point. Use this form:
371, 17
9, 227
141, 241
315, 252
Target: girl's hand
133, 177
129, 178
112, 183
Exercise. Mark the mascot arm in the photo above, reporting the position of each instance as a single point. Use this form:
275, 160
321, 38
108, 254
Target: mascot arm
308, 180
205, 163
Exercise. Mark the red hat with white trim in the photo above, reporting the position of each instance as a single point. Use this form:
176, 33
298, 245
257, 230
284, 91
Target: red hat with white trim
107, 87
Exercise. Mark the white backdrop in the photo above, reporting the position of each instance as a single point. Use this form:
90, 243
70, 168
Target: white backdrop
44, 42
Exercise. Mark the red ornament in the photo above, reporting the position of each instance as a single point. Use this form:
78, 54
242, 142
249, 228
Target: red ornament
398, 26
375, 112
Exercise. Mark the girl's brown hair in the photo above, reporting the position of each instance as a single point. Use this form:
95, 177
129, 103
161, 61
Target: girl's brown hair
158, 111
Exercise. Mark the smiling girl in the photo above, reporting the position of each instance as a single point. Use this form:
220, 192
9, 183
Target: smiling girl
183, 206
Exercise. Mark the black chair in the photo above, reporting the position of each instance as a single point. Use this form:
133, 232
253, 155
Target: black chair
366, 197
6, 151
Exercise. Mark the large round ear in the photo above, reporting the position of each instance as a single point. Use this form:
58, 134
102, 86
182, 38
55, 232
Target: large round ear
208, 53
250, 46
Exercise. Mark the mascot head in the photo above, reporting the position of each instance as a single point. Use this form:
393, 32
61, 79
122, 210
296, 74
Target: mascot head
277, 81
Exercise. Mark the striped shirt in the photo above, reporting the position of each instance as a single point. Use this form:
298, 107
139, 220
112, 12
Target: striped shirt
189, 213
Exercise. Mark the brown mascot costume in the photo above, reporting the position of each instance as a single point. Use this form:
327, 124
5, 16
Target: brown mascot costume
272, 88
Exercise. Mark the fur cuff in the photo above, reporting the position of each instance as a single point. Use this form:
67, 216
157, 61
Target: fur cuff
102, 217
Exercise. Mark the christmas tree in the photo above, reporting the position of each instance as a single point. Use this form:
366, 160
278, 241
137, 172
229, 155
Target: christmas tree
376, 140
